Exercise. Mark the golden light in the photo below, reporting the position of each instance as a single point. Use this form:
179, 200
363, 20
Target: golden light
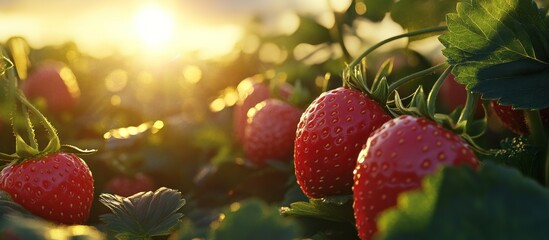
70, 80
116, 100
123, 133
116, 80
192, 74
153, 25
217, 105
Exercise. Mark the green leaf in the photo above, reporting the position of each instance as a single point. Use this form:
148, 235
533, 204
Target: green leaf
496, 202
253, 219
145, 214
9, 207
188, 230
332, 209
418, 14
519, 153
19, 227
500, 48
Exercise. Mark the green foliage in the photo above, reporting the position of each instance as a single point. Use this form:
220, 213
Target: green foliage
410, 14
457, 203
418, 14
337, 209
19, 227
519, 153
500, 49
9, 207
253, 219
143, 215
6, 96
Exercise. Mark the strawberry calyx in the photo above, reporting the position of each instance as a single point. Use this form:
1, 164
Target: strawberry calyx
22, 115
354, 76
460, 121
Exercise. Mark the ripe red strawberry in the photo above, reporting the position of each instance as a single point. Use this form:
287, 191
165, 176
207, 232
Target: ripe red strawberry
54, 84
329, 137
270, 131
57, 187
514, 119
395, 159
453, 94
126, 186
250, 94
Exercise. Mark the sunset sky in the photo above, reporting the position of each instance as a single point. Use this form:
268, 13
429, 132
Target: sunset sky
101, 27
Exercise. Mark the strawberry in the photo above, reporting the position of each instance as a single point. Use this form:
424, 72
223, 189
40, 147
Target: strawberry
270, 131
57, 187
514, 119
54, 84
329, 137
126, 186
395, 159
453, 94
250, 94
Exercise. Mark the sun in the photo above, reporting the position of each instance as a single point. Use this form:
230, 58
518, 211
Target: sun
153, 25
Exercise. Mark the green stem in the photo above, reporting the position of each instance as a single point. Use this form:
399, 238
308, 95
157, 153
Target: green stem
422, 73
469, 109
404, 35
31, 137
538, 136
28, 127
432, 98
54, 142
337, 34
535, 126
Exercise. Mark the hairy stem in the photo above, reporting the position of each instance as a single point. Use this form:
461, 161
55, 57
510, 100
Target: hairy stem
393, 86
388, 40
55, 143
337, 32
432, 98
469, 109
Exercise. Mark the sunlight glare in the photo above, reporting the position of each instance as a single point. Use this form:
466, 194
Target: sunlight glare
153, 25
192, 74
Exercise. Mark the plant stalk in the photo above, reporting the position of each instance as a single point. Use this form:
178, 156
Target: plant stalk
393, 86
432, 98
388, 40
537, 134
469, 109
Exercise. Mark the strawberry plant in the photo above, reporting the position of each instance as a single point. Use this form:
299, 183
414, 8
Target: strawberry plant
143, 215
397, 140
487, 53
41, 179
